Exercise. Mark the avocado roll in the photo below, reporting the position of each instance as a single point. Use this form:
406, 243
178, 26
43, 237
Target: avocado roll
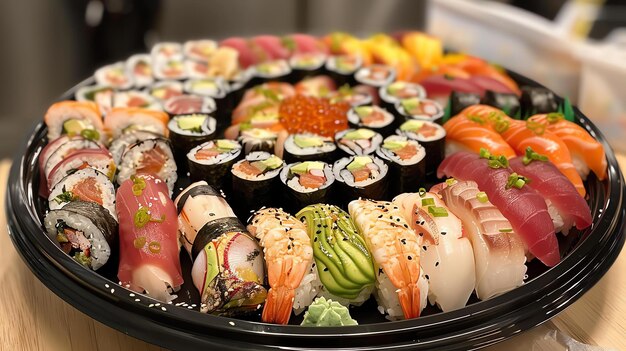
306, 65
255, 182
308, 147
399, 90
372, 117
306, 183
508, 103
360, 176
431, 136
342, 68
420, 109
212, 162
407, 163
459, 101
358, 142
188, 131
258, 139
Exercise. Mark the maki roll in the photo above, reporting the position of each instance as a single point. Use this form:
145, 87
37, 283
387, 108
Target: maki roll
306, 183
352, 96
275, 70
537, 100
186, 104
150, 156
343, 262
212, 162
84, 230
406, 158
166, 50
360, 176
342, 68
59, 149
134, 98
120, 144
228, 268
375, 75
196, 69
189, 131
199, 50
165, 90
216, 89
420, 109
372, 117
255, 181
125, 119
85, 185
170, 68
238, 84
358, 142
431, 136
308, 147
306, 64
139, 68
114, 75
75, 118
258, 139
149, 247
459, 101
508, 103
99, 159
317, 86
399, 90
102, 95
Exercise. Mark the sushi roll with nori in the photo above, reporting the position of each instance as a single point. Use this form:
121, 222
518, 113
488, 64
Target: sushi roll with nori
228, 268
63, 148
255, 182
459, 101
170, 68
196, 69
102, 95
399, 90
420, 109
536, 100
358, 142
375, 75
431, 136
86, 184
189, 131
186, 104
139, 68
352, 96
276, 71
308, 147
342, 68
122, 142
114, 75
407, 163
508, 103
165, 90
238, 84
306, 183
166, 50
99, 159
200, 50
306, 64
212, 162
372, 117
84, 230
150, 156
216, 89
135, 98
360, 176
258, 139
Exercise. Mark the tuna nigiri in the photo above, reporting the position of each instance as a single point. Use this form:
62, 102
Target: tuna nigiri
520, 204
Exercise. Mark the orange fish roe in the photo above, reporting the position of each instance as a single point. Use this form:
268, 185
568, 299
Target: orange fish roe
301, 113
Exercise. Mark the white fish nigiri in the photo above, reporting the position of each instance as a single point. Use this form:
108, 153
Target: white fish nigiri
498, 251
447, 257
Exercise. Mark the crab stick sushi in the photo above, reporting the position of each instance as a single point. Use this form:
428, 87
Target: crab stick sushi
361, 176
407, 162
150, 156
86, 184
75, 118
358, 142
306, 183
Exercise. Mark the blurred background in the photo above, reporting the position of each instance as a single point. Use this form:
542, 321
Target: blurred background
574, 47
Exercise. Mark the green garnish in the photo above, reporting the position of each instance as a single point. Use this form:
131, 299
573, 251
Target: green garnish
554, 117
61, 238
516, 181
90, 134
531, 156
428, 202
476, 119
192, 123
501, 125
139, 242
270, 94
436, 211
506, 230
138, 185
289, 43
142, 217
421, 192
81, 258
482, 197
73, 126
450, 181
537, 127
493, 161
66, 196
359, 162
154, 247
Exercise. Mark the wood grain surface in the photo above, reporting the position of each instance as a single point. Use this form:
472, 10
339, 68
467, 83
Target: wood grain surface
34, 318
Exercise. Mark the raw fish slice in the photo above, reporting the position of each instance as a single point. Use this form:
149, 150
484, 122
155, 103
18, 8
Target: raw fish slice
555, 187
249, 53
499, 253
473, 136
449, 264
524, 208
304, 44
272, 45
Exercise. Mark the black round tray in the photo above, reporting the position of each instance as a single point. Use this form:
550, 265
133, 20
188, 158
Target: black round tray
586, 258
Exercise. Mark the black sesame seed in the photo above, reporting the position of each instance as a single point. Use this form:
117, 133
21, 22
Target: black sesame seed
421, 234
436, 263
424, 248
443, 233
325, 269
426, 276
318, 232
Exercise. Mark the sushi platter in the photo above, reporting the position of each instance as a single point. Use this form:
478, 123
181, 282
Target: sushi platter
310, 192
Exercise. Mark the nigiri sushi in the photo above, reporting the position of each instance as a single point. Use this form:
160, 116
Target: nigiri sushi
469, 134
525, 209
449, 261
499, 253
558, 191
288, 256
401, 288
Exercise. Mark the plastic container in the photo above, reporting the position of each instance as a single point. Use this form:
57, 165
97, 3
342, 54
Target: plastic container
511, 37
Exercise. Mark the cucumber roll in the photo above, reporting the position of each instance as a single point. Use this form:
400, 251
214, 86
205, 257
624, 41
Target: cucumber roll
151, 156
508, 103
431, 136
308, 147
255, 182
358, 142
342, 68
375, 76
189, 131
86, 185
372, 117
84, 230
360, 176
306, 65
406, 159
258, 139
459, 101
398, 90
212, 162
306, 183
420, 109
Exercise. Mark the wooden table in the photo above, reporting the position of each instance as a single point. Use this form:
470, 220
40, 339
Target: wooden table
34, 318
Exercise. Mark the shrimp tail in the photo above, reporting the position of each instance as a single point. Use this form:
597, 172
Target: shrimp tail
278, 305
410, 300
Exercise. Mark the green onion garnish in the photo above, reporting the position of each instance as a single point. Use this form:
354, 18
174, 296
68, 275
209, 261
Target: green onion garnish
142, 217
554, 117
531, 156
484, 153
501, 126
450, 181
506, 230
436, 211
421, 192
138, 185
428, 202
536, 127
482, 197
517, 181
476, 119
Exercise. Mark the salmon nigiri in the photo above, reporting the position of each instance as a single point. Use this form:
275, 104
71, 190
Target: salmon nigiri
465, 133
587, 153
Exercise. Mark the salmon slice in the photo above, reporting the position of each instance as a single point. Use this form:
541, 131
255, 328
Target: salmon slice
87, 190
248, 168
427, 130
136, 102
361, 174
406, 152
152, 161
374, 117
311, 181
475, 136
205, 154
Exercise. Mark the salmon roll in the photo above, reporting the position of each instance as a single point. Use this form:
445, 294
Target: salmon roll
407, 162
360, 176
85, 185
212, 162
306, 183
139, 68
372, 117
255, 181
75, 118
431, 136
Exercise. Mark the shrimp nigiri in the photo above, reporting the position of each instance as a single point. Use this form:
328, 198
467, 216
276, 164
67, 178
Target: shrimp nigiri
449, 264
288, 256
